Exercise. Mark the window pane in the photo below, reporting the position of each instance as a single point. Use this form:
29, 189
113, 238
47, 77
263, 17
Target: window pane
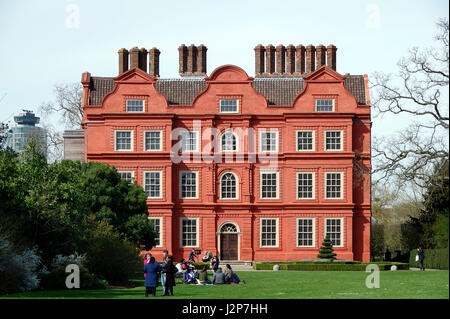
152, 140
152, 184
188, 185
324, 105
305, 140
333, 231
228, 106
123, 140
189, 232
135, 105
305, 186
228, 186
268, 232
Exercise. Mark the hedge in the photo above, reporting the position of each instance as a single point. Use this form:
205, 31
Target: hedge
434, 258
327, 266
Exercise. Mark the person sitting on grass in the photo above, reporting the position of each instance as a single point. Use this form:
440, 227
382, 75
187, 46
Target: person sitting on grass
228, 274
219, 277
203, 276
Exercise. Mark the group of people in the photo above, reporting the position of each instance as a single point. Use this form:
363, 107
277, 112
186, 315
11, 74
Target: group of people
152, 269
185, 269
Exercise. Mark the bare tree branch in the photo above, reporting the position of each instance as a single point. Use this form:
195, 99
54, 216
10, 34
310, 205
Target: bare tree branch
417, 89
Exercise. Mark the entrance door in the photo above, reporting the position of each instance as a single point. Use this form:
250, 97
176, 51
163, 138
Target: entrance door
229, 246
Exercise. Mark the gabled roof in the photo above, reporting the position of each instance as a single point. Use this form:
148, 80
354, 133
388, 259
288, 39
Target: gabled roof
277, 91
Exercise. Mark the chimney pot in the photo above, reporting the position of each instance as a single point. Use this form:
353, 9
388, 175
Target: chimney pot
259, 59
143, 59
153, 62
310, 58
320, 56
290, 59
123, 60
281, 62
134, 57
201, 59
300, 59
192, 60
331, 56
270, 59
182, 60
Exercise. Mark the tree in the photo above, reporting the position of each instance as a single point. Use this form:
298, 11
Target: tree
326, 250
430, 227
68, 106
68, 103
419, 89
3, 134
51, 205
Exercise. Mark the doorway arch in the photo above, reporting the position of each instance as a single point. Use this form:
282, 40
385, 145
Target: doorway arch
229, 241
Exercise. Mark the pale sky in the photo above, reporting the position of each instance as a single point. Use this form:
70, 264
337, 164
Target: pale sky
48, 42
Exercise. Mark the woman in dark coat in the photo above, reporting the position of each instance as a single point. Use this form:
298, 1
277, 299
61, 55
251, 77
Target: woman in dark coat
170, 270
421, 255
151, 269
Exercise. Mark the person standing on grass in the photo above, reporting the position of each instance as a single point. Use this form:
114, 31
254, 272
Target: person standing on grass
151, 270
163, 274
170, 270
421, 255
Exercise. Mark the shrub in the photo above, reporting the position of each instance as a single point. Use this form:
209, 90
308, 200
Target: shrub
330, 266
434, 258
19, 271
113, 259
326, 250
56, 279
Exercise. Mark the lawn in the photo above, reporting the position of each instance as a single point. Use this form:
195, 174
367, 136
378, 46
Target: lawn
286, 284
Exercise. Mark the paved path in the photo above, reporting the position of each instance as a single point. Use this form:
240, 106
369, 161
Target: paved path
418, 269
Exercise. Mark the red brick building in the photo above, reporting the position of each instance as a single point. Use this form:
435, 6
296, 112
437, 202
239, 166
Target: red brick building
271, 164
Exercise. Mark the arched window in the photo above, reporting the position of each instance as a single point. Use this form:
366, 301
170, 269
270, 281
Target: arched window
228, 186
228, 142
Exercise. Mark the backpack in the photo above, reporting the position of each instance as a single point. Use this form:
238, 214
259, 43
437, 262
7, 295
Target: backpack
235, 278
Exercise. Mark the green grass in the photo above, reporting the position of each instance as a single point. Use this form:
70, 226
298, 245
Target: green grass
286, 284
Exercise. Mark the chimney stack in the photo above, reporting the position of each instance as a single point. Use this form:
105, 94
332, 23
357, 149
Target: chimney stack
310, 58
134, 58
320, 56
259, 59
290, 59
153, 62
331, 56
123, 60
192, 60
300, 59
270, 59
201, 59
143, 59
281, 56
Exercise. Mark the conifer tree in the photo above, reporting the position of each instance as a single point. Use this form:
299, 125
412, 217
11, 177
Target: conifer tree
326, 250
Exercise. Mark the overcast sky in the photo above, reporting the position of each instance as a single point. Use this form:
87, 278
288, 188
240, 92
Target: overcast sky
44, 43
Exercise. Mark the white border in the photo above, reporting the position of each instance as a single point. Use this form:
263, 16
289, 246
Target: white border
237, 186
277, 186
196, 149
196, 184
160, 183
325, 185
160, 140
132, 174
342, 229
313, 185
229, 112
220, 141
277, 232
197, 233
313, 140
265, 130
325, 141
315, 104
132, 141
313, 232
160, 230
143, 106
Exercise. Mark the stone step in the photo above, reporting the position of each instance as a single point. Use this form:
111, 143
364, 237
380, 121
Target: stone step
237, 265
